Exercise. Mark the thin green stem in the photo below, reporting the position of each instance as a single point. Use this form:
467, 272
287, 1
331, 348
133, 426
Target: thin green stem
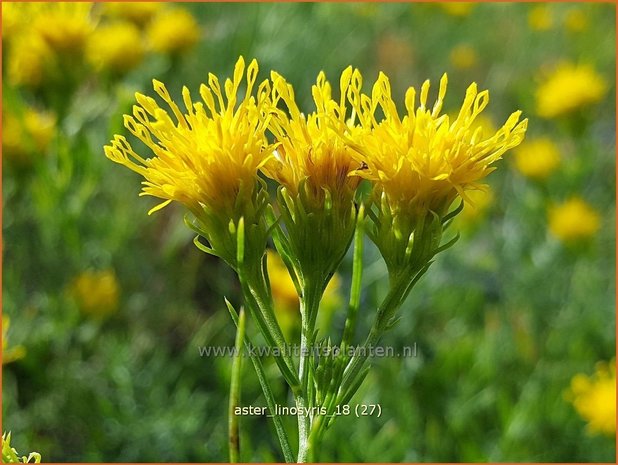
233, 419
255, 293
283, 361
357, 277
268, 394
392, 302
309, 304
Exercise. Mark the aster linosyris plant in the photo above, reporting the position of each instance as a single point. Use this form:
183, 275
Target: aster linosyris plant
419, 166
214, 158
313, 165
207, 159
421, 163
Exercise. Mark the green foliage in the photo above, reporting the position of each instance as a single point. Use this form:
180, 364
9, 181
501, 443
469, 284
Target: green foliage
501, 322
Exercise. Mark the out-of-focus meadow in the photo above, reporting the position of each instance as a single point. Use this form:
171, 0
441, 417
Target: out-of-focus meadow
104, 307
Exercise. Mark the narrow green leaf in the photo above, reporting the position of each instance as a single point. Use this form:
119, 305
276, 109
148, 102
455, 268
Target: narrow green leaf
268, 394
233, 419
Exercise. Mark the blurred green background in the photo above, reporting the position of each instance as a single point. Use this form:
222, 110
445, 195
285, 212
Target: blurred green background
107, 306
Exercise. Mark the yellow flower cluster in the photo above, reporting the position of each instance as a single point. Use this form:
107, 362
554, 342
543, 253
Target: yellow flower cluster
139, 13
173, 32
568, 89
423, 161
460, 9
537, 158
27, 135
310, 149
594, 398
540, 17
206, 158
210, 156
463, 56
49, 40
575, 20
96, 293
43, 37
573, 220
115, 47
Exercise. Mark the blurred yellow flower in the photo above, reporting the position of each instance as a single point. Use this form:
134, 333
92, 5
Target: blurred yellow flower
136, 12
207, 158
65, 26
10, 354
283, 289
575, 20
479, 202
540, 17
423, 161
311, 148
11, 19
96, 293
44, 34
463, 56
457, 8
537, 158
594, 398
569, 88
282, 286
573, 220
116, 47
27, 135
29, 60
173, 31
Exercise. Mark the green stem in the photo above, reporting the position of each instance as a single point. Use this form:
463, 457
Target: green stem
268, 394
357, 276
254, 291
309, 304
392, 302
233, 419
284, 362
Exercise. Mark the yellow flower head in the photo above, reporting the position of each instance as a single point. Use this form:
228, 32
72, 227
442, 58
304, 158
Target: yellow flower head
138, 13
568, 89
537, 158
457, 8
116, 47
173, 31
540, 18
96, 293
576, 20
29, 60
65, 26
573, 220
594, 398
27, 135
463, 56
12, 21
311, 150
206, 158
422, 161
